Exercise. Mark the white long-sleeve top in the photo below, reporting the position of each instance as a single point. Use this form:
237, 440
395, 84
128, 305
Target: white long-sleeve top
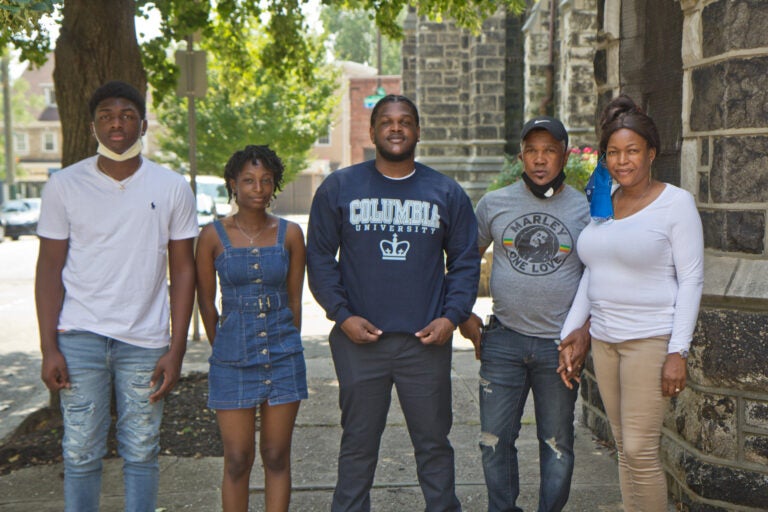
644, 274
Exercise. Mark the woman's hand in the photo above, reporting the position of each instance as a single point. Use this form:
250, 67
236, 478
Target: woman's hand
673, 375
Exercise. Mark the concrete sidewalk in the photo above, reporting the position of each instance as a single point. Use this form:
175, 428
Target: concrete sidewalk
193, 484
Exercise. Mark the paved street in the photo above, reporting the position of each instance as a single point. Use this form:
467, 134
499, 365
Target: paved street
21, 390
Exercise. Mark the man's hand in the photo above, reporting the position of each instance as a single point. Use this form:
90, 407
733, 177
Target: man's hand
673, 375
573, 351
360, 330
472, 329
168, 368
54, 371
437, 332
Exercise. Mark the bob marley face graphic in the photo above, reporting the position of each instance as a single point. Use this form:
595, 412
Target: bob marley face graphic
537, 244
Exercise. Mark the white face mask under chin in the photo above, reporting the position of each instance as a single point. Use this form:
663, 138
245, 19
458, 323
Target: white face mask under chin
129, 153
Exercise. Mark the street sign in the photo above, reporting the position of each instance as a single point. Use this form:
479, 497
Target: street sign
370, 101
193, 80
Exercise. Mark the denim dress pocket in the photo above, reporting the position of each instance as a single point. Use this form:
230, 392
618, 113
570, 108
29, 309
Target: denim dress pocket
229, 346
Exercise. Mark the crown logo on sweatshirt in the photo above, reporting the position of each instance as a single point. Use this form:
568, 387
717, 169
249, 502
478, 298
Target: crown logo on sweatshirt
394, 250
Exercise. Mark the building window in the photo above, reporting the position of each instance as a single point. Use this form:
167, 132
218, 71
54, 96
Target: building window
21, 143
325, 138
49, 142
50, 95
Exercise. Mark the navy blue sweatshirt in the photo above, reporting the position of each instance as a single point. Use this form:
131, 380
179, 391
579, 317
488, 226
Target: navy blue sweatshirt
394, 240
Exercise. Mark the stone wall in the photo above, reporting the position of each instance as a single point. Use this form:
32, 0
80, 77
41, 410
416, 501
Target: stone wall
715, 136
717, 443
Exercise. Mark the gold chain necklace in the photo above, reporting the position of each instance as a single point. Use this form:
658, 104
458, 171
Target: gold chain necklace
251, 239
120, 184
633, 206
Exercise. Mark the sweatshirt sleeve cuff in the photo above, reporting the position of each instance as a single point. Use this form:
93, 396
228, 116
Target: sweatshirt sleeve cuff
455, 317
341, 316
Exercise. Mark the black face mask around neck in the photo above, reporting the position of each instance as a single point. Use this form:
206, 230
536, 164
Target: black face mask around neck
547, 190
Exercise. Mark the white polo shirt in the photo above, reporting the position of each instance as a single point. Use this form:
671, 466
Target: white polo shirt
115, 275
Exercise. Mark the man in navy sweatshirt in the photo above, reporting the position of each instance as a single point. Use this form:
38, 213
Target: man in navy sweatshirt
392, 258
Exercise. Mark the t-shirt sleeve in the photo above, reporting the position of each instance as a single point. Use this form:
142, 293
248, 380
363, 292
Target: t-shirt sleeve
54, 221
184, 214
484, 235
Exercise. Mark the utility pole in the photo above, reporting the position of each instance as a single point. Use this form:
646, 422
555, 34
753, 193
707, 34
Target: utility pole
192, 84
7, 121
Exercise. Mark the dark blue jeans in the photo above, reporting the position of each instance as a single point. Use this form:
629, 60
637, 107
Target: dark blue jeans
511, 365
422, 376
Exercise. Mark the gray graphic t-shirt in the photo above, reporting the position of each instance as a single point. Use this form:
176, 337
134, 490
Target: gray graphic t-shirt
536, 269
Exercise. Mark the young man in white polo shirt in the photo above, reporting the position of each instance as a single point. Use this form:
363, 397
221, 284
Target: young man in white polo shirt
110, 228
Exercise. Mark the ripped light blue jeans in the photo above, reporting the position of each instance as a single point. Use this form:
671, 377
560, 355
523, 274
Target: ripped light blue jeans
511, 365
96, 364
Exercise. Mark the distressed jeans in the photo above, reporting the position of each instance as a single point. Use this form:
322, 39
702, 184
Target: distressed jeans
512, 364
96, 364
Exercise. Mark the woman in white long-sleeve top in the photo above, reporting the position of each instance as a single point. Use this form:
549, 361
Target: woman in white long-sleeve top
641, 286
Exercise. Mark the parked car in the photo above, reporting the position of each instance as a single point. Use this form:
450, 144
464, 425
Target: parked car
20, 217
2, 228
206, 209
215, 187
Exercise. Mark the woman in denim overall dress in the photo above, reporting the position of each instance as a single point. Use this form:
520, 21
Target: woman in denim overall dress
257, 358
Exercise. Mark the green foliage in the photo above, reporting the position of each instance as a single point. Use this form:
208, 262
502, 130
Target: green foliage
578, 169
289, 49
250, 105
22, 105
287, 59
20, 22
467, 13
352, 36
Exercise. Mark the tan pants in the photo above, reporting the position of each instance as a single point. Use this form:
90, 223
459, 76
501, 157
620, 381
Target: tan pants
629, 379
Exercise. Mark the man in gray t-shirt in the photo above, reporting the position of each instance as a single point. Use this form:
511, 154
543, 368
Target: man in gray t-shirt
533, 225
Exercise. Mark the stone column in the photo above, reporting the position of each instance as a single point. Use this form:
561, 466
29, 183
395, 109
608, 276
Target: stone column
572, 53
457, 81
577, 92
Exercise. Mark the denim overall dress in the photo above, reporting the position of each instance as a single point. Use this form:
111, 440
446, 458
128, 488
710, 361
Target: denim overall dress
257, 354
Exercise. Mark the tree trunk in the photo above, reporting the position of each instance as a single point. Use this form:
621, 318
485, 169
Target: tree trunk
97, 43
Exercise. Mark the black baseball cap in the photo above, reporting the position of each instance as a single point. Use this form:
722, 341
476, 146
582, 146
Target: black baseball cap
552, 125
